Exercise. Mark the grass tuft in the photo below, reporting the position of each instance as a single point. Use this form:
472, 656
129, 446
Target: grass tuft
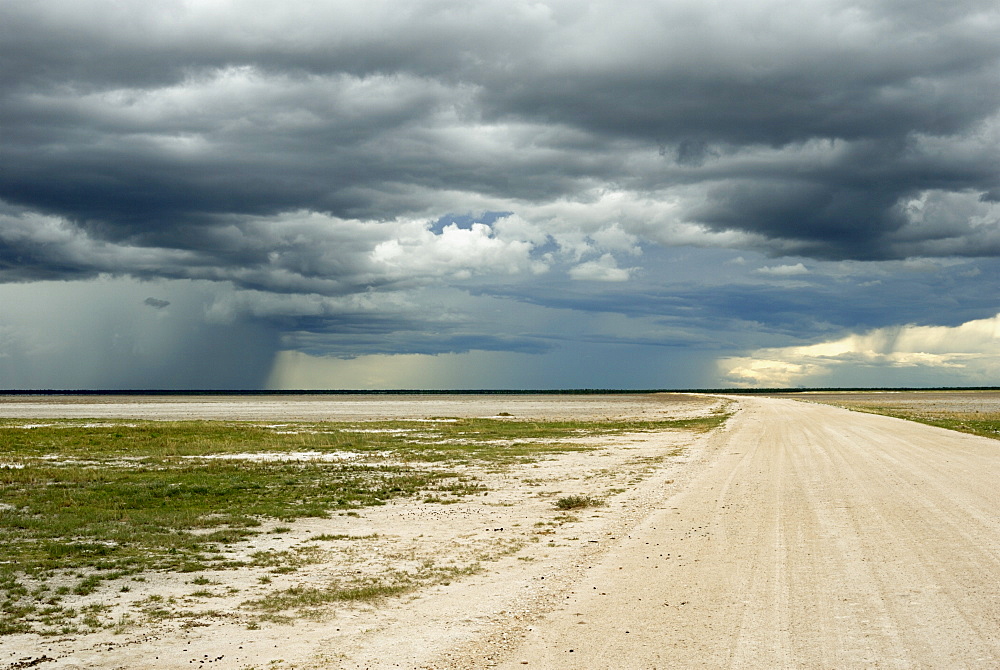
577, 502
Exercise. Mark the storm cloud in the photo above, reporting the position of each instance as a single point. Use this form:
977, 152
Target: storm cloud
449, 177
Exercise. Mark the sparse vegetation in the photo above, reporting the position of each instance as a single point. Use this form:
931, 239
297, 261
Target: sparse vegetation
942, 412
577, 502
84, 504
328, 537
302, 599
988, 426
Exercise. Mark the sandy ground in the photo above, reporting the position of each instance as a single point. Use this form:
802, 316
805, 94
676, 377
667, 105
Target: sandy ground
798, 536
922, 403
811, 537
348, 407
525, 548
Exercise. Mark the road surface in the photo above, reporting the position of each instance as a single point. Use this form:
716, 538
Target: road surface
812, 537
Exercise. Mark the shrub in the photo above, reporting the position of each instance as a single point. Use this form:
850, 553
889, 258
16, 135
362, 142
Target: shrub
577, 502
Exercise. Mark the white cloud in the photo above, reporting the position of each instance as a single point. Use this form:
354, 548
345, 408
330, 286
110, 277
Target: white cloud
613, 238
457, 253
970, 353
603, 269
294, 252
752, 372
784, 270
516, 227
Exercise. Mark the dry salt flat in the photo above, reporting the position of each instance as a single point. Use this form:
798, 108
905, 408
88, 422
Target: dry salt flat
359, 407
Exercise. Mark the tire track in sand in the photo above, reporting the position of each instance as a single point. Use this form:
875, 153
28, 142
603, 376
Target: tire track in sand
813, 537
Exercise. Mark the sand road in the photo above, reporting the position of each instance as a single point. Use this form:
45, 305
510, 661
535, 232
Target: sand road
811, 537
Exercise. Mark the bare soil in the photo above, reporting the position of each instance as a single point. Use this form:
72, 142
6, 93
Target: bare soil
482, 563
941, 404
810, 537
351, 407
797, 536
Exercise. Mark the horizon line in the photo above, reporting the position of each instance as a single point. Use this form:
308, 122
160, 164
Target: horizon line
566, 391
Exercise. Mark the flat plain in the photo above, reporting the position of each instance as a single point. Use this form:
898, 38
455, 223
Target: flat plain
670, 531
301, 532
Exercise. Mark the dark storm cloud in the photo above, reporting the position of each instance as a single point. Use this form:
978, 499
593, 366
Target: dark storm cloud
347, 344
103, 334
827, 301
326, 162
144, 124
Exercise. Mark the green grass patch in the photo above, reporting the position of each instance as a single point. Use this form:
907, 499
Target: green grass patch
982, 424
300, 597
577, 502
149, 442
916, 406
110, 499
332, 537
392, 583
133, 518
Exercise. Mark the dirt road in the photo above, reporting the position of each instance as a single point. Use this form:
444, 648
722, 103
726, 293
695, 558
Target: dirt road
812, 537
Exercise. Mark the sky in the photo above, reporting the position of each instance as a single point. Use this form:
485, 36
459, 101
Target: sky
244, 194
